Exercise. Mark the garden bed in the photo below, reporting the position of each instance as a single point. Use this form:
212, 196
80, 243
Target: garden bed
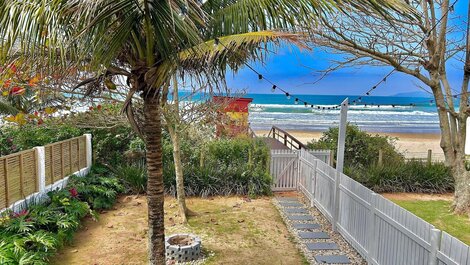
234, 230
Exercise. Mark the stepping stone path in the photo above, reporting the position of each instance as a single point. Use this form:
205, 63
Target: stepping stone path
309, 231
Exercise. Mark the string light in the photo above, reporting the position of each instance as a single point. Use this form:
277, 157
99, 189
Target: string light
296, 101
273, 89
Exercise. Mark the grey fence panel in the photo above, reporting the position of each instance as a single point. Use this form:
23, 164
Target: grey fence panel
453, 251
381, 231
323, 190
323, 155
354, 215
284, 170
403, 237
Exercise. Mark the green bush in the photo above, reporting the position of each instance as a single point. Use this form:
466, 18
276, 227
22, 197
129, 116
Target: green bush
412, 176
361, 148
14, 138
97, 189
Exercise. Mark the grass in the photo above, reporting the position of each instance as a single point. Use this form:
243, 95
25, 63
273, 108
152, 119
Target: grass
234, 230
438, 213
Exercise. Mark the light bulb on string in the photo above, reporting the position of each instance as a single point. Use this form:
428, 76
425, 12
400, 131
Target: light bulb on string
260, 77
296, 101
273, 88
305, 103
288, 96
359, 99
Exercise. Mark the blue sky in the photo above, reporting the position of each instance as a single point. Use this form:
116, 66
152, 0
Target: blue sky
295, 71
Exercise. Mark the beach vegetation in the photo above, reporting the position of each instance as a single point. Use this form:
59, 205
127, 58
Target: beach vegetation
361, 148
410, 176
420, 43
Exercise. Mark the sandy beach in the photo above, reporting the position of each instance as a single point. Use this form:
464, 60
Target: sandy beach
406, 142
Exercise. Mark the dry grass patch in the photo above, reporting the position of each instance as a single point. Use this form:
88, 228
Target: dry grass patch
234, 230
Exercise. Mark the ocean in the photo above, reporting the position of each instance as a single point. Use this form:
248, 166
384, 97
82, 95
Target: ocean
395, 114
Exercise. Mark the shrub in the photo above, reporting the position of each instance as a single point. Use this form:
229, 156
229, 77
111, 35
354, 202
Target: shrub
98, 191
228, 166
133, 176
412, 176
361, 148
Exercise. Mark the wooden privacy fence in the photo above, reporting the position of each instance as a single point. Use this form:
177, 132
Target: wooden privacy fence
381, 231
36, 171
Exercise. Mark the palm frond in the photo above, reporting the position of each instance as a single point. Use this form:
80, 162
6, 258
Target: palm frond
211, 61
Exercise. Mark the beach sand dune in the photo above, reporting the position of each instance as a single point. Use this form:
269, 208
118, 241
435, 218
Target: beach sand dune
407, 143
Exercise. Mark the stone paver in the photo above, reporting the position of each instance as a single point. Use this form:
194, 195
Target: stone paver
313, 235
301, 219
296, 210
291, 204
288, 199
322, 246
296, 217
337, 259
301, 226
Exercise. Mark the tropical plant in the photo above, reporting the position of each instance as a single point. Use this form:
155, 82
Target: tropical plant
148, 42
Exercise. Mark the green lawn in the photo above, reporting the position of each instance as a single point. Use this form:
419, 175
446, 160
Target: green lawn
439, 214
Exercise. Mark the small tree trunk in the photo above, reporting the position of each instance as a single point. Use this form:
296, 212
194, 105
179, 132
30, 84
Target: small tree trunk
180, 193
155, 197
462, 188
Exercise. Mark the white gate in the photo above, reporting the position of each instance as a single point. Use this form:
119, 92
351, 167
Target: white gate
284, 170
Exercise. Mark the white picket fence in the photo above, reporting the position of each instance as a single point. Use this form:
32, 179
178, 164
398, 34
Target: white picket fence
381, 231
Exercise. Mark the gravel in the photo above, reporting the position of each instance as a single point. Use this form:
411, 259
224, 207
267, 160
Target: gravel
344, 247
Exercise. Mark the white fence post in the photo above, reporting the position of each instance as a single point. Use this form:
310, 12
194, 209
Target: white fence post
340, 159
41, 167
372, 231
89, 151
314, 182
435, 242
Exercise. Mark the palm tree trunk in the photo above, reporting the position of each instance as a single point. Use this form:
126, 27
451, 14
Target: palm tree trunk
155, 197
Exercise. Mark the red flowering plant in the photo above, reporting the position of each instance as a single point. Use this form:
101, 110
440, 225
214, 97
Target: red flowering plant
21, 213
73, 193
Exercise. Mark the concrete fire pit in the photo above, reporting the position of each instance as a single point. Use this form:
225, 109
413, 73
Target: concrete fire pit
183, 247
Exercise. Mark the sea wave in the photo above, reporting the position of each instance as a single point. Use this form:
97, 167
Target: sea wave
262, 107
351, 112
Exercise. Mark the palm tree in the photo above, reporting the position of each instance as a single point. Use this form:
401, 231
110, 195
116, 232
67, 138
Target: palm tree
149, 41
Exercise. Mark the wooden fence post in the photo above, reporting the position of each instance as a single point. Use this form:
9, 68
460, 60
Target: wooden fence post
381, 157
429, 157
372, 231
41, 167
435, 242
